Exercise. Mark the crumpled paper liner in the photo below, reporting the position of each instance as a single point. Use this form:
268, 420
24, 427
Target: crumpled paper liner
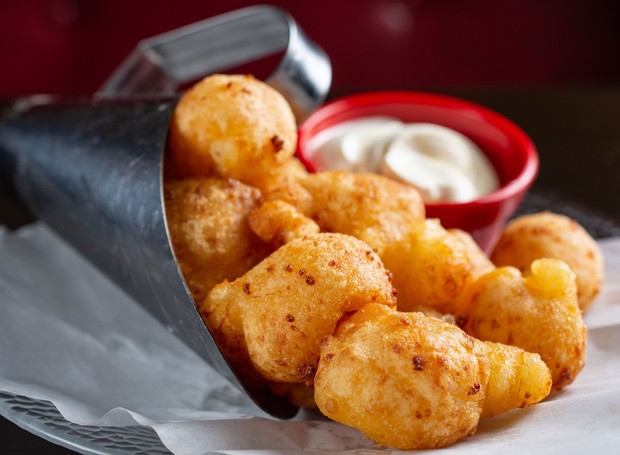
70, 336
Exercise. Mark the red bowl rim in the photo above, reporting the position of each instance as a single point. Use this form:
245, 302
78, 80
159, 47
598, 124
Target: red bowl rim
514, 187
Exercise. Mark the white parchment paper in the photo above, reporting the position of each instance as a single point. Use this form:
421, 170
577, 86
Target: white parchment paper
68, 335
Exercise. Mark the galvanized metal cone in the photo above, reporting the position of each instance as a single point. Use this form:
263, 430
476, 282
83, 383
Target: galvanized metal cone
92, 170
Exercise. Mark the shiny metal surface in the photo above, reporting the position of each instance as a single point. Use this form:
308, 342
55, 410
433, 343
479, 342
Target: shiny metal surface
43, 419
92, 170
163, 63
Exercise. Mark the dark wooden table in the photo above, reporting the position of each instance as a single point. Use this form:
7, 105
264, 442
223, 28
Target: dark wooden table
576, 131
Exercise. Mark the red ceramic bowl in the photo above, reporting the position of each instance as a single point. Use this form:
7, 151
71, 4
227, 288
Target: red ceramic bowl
509, 149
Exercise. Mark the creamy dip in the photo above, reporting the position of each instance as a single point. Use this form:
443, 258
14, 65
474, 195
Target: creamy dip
441, 163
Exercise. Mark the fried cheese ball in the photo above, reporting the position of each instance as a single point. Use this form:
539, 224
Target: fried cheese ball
276, 315
432, 267
518, 378
480, 261
537, 312
371, 207
232, 126
413, 382
286, 185
549, 235
277, 222
433, 313
211, 238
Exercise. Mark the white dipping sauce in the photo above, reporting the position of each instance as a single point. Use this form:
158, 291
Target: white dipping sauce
441, 163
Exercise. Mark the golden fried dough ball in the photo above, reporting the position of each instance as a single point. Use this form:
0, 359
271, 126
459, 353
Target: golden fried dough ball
371, 207
277, 223
209, 231
480, 261
549, 235
434, 313
232, 126
432, 267
414, 382
292, 193
538, 313
286, 185
405, 380
518, 378
281, 309
225, 322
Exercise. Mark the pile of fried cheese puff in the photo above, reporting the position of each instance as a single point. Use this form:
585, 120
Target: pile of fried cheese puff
333, 289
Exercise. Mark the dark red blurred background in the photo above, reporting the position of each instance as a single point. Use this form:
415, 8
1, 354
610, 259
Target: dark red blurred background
71, 46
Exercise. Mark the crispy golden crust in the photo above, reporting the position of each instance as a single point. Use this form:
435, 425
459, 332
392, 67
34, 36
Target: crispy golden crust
518, 378
209, 231
413, 382
277, 313
481, 264
371, 207
232, 126
432, 267
538, 313
548, 235
277, 223
286, 185
404, 379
